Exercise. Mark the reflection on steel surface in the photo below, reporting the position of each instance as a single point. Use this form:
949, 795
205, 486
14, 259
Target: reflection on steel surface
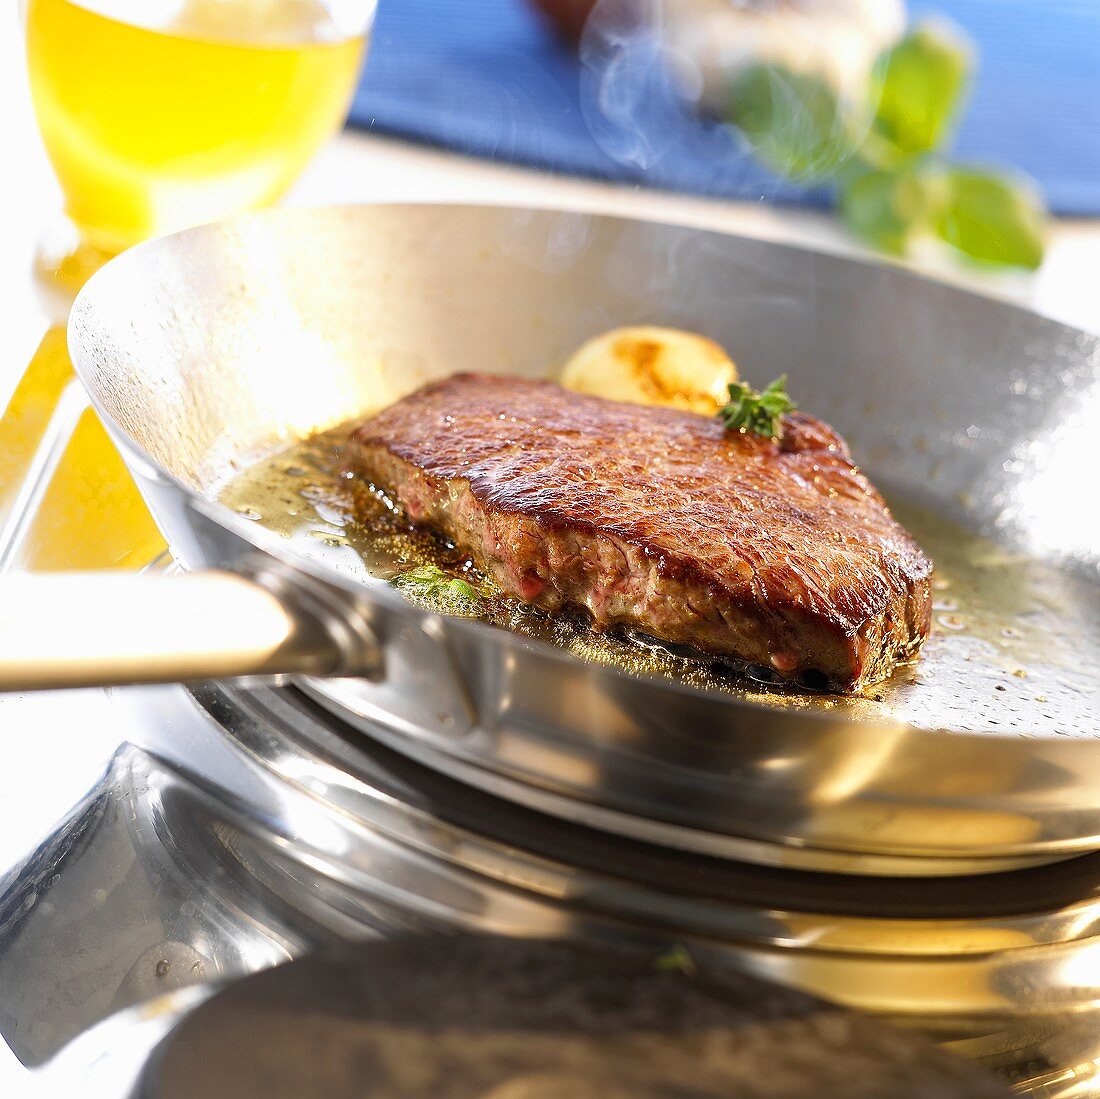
935, 388
253, 826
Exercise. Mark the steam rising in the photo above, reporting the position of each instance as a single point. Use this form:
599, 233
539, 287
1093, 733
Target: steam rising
651, 68
629, 97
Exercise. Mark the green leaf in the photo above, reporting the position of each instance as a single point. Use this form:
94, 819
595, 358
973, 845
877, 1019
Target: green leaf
676, 960
917, 88
884, 208
758, 413
432, 581
795, 121
991, 218
891, 185
466, 590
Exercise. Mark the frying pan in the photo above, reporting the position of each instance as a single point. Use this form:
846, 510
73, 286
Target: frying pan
205, 350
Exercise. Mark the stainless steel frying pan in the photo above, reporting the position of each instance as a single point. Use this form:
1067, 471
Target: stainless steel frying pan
205, 350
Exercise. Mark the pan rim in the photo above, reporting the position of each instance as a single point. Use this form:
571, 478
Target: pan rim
271, 544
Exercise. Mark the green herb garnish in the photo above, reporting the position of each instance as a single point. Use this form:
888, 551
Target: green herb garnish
882, 148
676, 960
759, 413
430, 580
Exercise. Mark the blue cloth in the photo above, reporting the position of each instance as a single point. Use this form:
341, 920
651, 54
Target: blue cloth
486, 77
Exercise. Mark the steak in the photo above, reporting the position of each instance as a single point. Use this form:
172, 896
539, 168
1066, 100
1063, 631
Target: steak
779, 554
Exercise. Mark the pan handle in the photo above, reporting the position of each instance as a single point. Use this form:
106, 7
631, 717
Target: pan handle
110, 628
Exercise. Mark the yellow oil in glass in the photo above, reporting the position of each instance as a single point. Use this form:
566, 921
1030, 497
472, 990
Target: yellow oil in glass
186, 112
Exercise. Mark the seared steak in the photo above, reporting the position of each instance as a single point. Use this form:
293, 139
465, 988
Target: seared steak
776, 554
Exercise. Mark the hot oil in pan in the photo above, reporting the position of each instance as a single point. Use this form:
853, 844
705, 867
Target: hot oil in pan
1010, 649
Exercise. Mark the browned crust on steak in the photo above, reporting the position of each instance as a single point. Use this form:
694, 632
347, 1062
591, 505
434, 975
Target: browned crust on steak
659, 519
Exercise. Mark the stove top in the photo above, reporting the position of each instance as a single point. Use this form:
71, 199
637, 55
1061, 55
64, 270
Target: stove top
210, 833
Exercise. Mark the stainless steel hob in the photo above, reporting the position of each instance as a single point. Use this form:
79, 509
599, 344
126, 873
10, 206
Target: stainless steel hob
235, 827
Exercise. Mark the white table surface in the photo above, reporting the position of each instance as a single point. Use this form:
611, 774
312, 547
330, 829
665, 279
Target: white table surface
70, 734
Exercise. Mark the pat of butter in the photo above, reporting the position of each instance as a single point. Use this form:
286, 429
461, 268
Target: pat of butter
653, 366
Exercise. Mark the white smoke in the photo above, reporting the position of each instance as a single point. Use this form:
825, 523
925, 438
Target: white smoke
650, 66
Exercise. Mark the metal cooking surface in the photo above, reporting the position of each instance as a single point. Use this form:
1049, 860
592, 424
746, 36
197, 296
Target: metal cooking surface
253, 828
473, 1017
208, 349
1004, 656
770, 905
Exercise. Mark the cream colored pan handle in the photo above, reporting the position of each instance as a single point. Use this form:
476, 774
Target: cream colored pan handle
98, 629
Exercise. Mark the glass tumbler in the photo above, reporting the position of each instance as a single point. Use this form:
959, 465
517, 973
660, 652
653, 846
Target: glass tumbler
160, 114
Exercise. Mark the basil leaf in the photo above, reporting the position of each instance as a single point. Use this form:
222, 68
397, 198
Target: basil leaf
794, 120
883, 156
917, 88
990, 217
884, 208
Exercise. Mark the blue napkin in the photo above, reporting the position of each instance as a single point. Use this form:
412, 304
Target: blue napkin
486, 77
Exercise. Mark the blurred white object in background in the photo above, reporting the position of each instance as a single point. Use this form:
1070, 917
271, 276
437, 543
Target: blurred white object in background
712, 41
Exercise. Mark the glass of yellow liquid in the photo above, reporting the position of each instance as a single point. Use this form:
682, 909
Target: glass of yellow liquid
160, 114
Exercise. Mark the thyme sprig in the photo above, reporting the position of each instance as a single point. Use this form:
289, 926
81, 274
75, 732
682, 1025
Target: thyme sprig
757, 413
